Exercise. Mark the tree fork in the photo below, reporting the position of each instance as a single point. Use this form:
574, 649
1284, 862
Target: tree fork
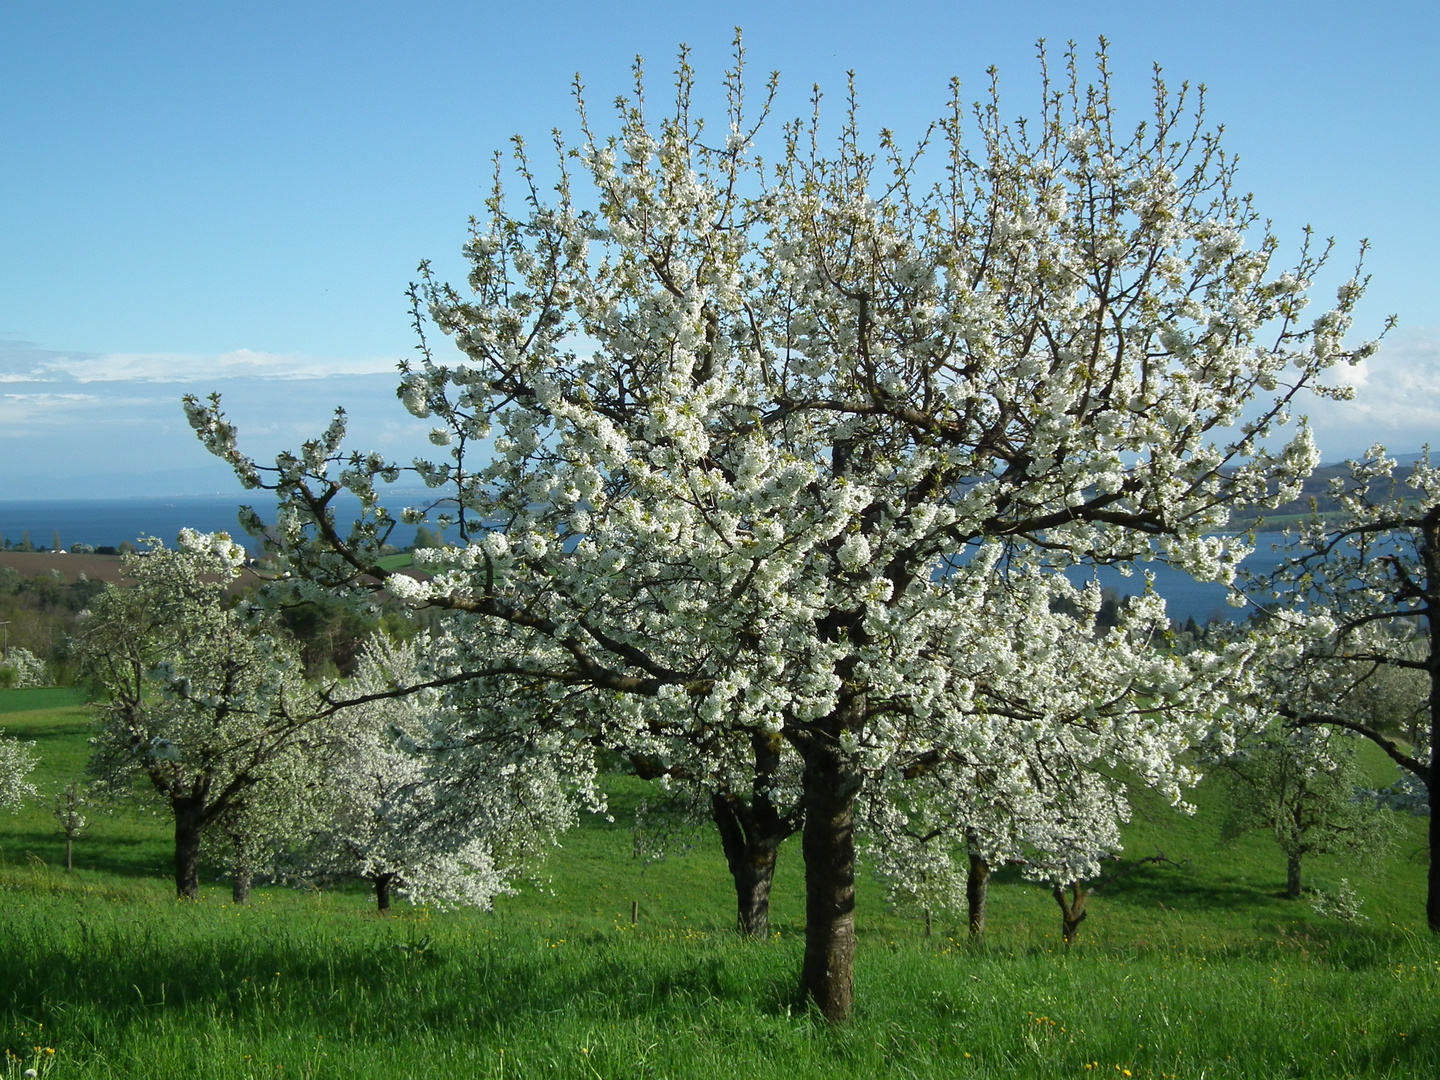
751, 835
1072, 910
751, 859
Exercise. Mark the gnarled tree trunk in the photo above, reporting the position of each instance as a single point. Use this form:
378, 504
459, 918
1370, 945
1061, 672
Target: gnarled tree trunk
240, 885
1072, 910
382, 892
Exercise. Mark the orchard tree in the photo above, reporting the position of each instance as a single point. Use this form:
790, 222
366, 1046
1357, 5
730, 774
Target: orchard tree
416, 801
272, 817
1371, 579
745, 782
70, 805
204, 698
20, 668
793, 445
1305, 786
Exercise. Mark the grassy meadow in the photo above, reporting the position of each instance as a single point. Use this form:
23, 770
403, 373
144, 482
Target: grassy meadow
1200, 969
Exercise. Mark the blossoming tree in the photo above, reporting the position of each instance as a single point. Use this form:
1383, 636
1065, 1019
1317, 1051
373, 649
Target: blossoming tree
413, 804
20, 668
796, 445
1371, 578
204, 700
17, 761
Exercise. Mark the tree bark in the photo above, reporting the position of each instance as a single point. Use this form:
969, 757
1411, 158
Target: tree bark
1432, 879
1072, 911
1430, 560
240, 885
189, 823
1432, 783
977, 894
382, 892
1292, 877
69, 853
831, 783
751, 858
750, 835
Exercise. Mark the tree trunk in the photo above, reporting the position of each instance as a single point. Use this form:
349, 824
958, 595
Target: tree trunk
69, 852
1292, 877
831, 783
1430, 560
977, 894
240, 885
1432, 879
382, 892
1072, 911
1430, 553
750, 835
751, 859
189, 822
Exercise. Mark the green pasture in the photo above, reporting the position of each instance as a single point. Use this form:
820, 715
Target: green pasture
1194, 968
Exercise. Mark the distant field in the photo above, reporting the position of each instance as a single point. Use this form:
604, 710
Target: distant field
29, 564
1198, 971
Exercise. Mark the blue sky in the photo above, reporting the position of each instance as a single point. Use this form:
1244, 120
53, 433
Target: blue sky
200, 197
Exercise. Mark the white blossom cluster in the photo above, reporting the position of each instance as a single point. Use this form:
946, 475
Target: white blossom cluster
17, 761
409, 803
20, 668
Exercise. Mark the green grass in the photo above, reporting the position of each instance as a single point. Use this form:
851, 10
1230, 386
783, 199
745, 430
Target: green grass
395, 562
1202, 970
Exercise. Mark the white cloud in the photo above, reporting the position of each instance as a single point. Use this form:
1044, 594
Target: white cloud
24, 362
17, 409
1397, 399
241, 363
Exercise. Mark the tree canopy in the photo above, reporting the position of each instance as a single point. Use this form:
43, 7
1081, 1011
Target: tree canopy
797, 444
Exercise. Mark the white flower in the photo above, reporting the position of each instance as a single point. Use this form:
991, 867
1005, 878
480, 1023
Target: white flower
854, 553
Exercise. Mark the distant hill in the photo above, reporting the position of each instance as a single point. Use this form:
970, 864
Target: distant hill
1314, 497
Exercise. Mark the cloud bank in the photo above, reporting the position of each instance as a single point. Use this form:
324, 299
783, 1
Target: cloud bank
76, 424
1397, 399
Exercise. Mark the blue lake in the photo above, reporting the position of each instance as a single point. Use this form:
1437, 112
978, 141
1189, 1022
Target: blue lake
102, 522
107, 522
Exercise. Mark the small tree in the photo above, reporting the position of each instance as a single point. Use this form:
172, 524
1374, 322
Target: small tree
20, 668
414, 805
70, 806
1306, 788
204, 697
1369, 582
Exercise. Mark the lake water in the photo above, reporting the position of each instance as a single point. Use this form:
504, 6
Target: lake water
102, 522
107, 522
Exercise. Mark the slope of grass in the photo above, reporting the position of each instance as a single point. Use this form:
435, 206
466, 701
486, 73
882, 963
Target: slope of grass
1200, 969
